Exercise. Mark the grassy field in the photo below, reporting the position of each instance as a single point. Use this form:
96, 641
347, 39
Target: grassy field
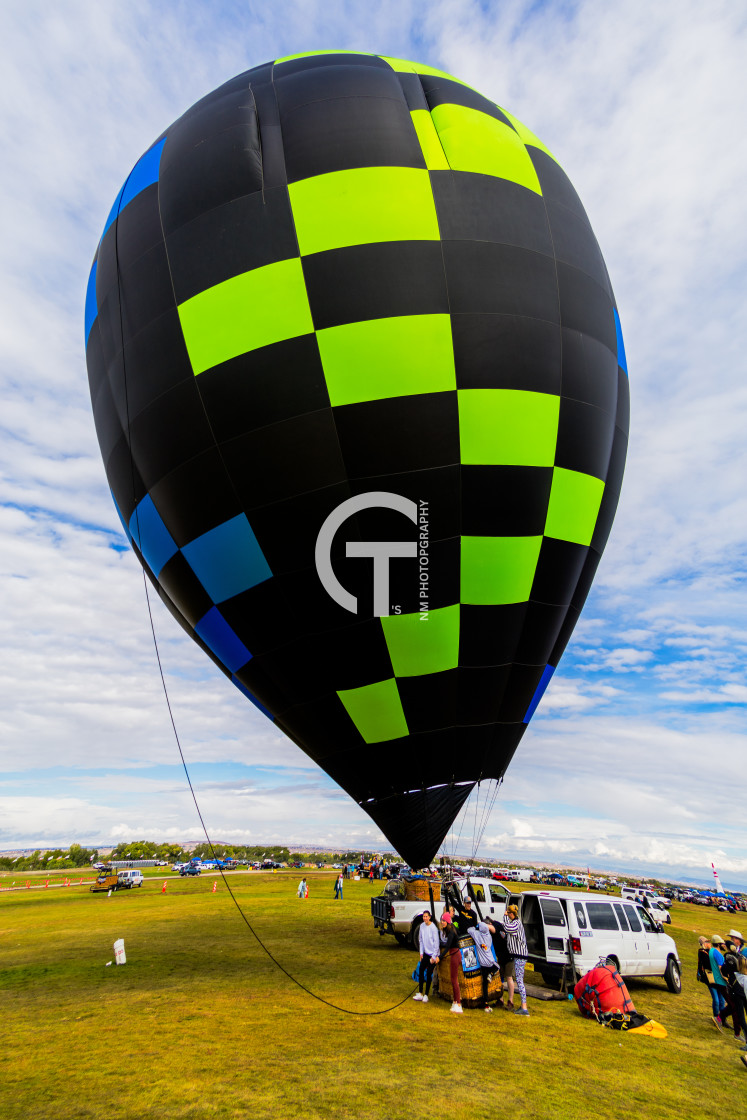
199, 1023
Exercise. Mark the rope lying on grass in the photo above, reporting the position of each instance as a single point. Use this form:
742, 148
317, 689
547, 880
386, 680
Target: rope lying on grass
237, 904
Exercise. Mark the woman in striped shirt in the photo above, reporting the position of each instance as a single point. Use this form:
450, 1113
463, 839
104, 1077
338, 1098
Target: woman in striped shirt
516, 943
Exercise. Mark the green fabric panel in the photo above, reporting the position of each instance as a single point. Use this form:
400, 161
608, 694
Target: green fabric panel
473, 141
508, 427
498, 570
403, 66
376, 710
363, 205
266, 305
380, 358
574, 504
433, 153
423, 646
526, 135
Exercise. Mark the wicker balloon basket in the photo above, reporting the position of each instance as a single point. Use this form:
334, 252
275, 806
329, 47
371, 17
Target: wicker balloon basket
470, 981
418, 890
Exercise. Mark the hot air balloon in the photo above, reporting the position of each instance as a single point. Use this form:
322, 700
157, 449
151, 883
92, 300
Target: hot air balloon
360, 389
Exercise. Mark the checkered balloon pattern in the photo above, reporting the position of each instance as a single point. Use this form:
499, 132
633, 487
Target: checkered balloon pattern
348, 278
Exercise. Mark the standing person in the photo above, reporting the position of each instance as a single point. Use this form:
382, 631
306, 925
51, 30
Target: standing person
450, 949
466, 916
705, 976
716, 959
517, 947
302, 889
729, 971
505, 965
338, 886
480, 934
430, 949
738, 943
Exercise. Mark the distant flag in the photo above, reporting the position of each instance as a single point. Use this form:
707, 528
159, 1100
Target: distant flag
588, 878
719, 888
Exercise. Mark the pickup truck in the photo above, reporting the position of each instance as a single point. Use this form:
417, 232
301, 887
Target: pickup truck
393, 913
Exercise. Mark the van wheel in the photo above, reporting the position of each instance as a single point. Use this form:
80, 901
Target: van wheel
551, 980
613, 963
673, 977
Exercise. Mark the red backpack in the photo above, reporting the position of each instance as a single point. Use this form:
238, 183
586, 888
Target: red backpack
602, 990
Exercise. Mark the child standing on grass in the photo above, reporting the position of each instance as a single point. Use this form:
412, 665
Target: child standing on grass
480, 934
517, 946
302, 889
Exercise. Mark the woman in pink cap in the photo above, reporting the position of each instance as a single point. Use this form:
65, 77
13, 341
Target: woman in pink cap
450, 949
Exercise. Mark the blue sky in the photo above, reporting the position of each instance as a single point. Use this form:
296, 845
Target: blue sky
635, 755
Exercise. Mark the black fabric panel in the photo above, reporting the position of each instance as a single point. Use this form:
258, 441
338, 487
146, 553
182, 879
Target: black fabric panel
585, 580
285, 459
124, 479
169, 432
413, 90
184, 589
564, 636
575, 243
589, 371
248, 232
520, 690
338, 660
441, 91
261, 684
405, 420
138, 227
490, 635
95, 362
481, 693
558, 570
474, 207
321, 61
109, 325
501, 279
505, 501
584, 438
263, 616
506, 352
176, 613
109, 425
271, 136
324, 725
195, 497
349, 132
622, 417
375, 282
107, 279
556, 186
416, 823
585, 306
156, 360
146, 292
339, 80
439, 487
208, 159
542, 624
429, 702
287, 530
611, 494
264, 386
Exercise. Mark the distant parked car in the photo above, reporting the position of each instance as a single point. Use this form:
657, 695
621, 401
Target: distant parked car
189, 870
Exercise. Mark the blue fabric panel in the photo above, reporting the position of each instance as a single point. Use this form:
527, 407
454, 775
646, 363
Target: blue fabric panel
142, 175
151, 535
221, 639
539, 692
622, 361
92, 309
227, 559
242, 688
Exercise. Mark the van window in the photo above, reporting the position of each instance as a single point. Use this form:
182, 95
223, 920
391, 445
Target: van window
632, 917
552, 912
601, 915
648, 925
580, 914
497, 893
620, 911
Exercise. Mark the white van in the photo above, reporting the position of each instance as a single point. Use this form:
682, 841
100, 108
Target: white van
599, 928
129, 877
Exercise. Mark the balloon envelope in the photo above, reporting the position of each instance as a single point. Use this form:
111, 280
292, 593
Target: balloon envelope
360, 389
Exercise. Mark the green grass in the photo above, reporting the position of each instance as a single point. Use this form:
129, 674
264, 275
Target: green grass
199, 1023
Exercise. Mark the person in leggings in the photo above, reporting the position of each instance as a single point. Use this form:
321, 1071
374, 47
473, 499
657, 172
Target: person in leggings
430, 949
517, 946
450, 949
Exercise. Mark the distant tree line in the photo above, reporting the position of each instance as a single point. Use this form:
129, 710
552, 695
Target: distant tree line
57, 859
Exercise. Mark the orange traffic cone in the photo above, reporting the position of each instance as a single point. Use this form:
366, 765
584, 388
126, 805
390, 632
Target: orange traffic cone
80, 884
215, 885
28, 885
163, 888
307, 891
46, 884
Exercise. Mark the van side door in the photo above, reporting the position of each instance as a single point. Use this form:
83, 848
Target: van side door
555, 931
640, 939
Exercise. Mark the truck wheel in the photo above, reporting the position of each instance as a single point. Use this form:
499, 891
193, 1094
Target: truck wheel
673, 977
415, 933
402, 939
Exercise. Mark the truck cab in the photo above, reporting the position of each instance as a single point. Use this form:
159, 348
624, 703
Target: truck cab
393, 912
